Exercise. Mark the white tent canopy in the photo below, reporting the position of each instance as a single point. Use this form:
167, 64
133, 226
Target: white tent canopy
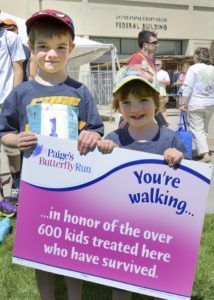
84, 52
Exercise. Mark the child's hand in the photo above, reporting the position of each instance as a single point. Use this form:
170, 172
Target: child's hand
172, 156
87, 141
106, 146
26, 140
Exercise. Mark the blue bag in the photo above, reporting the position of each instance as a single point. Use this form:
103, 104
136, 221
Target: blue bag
5, 228
184, 134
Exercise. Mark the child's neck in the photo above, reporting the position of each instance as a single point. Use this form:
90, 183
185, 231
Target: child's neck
146, 133
50, 79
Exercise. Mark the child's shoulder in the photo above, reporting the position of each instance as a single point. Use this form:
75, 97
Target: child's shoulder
116, 135
117, 131
165, 134
73, 83
23, 86
78, 87
165, 131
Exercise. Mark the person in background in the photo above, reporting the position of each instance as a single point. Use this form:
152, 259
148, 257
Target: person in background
29, 65
10, 25
147, 42
198, 99
29, 72
12, 57
174, 79
180, 81
51, 39
164, 81
11, 65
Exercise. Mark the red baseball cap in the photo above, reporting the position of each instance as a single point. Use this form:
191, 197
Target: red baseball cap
51, 14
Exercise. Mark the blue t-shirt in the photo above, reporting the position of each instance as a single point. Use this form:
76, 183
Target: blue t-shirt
164, 139
13, 117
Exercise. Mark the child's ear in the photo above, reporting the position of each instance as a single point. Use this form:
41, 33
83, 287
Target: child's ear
71, 47
31, 47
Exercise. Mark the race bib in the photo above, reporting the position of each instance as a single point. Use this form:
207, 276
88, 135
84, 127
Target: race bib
53, 120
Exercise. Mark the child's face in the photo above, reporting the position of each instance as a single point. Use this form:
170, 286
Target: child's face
52, 53
137, 111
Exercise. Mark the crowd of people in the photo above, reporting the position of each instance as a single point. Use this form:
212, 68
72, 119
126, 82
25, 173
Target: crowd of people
139, 94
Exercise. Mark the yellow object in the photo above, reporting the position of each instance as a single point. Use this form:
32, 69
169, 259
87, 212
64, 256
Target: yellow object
27, 127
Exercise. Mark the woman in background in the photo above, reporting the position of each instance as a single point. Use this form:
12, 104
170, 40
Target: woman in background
198, 99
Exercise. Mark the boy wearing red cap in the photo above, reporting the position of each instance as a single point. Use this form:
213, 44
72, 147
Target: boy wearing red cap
51, 35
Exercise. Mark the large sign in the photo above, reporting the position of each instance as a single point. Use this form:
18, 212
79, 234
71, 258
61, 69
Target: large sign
124, 219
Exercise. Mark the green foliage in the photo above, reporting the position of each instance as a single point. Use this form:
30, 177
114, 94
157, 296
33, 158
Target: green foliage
204, 279
18, 282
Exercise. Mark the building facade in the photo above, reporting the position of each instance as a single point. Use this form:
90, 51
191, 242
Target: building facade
181, 25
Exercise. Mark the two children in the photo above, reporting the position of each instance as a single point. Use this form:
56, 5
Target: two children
51, 35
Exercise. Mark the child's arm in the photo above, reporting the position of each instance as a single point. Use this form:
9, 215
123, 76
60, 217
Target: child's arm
94, 128
172, 156
87, 140
23, 140
106, 146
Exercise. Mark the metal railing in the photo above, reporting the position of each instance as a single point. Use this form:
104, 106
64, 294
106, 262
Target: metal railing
99, 83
